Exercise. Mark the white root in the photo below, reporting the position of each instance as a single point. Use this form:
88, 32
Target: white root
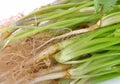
76, 32
57, 68
49, 77
45, 54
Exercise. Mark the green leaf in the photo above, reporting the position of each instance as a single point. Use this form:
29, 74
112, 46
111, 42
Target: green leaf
118, 2
106, 4
105, 77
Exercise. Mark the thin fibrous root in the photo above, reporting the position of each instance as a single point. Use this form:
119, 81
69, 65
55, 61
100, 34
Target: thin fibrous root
72, 33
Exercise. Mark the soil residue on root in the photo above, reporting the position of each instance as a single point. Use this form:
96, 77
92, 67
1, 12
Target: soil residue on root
14, 56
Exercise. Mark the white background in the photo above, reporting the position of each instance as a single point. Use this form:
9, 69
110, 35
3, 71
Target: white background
12, 7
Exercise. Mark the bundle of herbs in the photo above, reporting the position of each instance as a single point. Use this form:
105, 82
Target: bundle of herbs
66, 42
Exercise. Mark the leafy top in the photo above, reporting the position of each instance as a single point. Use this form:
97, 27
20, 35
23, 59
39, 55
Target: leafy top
106, 4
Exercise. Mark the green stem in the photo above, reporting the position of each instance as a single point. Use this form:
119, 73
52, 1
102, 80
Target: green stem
65, 13
90, 50
64, 56
57, 25
53, 7
93, 58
